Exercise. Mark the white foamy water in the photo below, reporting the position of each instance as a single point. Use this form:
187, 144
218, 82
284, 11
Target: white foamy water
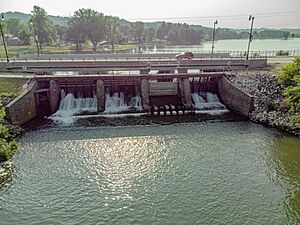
207, 101
71, 106
117, 103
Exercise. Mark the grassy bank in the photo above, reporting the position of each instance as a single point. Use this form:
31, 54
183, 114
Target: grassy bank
7, 142
16, 51
8, 88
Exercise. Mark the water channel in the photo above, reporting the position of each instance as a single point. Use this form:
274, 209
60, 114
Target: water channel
195, 173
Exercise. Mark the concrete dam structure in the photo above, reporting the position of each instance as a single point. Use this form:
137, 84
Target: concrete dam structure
160, 94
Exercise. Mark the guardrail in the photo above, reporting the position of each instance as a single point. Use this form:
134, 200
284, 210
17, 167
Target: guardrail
151, 56
138, 59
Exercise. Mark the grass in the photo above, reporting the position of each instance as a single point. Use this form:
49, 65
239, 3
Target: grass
16, 51
276, 68
10, 85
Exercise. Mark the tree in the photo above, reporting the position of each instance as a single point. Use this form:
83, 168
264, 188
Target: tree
13, 26
138, 31
112, 24
92, 24
285, 35
61, 31
75, 32
150, 34
163, 30
24, 34
126, 33
43, 26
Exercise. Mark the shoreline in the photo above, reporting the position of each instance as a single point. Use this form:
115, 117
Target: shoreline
270, 107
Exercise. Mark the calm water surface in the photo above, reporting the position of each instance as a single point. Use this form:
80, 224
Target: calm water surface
199, 173
232, 45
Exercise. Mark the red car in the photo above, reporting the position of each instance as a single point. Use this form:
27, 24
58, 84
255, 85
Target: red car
185, 55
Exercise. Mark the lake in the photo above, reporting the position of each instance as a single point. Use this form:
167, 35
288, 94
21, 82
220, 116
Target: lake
196, 173
231, 45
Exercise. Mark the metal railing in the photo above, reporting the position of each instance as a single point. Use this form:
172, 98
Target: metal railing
157, 57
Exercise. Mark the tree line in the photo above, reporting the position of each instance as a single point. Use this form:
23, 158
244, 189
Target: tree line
95, 27
90, 25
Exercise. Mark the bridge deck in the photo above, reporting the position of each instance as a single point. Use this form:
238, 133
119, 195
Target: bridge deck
134, 76
50, 66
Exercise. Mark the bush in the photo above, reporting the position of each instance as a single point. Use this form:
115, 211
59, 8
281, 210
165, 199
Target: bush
7, 144
282, 53
290, 79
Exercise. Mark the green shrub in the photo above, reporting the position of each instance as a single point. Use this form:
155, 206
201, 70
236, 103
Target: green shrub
289, 72
7, 149
290, 79
282, 53
7, 145
292, 93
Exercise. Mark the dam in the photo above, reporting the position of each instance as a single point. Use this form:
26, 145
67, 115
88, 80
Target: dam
159, 94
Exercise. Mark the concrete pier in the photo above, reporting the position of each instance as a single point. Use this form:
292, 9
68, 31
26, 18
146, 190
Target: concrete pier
54, 95
100, 95
185, 92
145, 90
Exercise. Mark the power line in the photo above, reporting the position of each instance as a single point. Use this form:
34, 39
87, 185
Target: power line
261, 14
226, 19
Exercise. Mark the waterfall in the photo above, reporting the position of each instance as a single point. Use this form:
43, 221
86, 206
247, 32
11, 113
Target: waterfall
207, 101
116, 103
70, 106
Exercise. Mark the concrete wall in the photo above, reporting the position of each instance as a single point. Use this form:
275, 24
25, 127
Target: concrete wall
234, 98
184, 87
257, 63
54, 95
145, 90
23, 108
100, 95
163, 89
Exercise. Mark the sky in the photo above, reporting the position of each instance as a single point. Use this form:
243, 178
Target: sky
229, 13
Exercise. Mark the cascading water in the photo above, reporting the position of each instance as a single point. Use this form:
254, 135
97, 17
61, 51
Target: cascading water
117, 103
207, 101
71, 106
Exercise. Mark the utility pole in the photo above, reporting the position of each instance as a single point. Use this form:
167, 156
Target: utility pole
251, 18
213, 37
2, 34
35, 38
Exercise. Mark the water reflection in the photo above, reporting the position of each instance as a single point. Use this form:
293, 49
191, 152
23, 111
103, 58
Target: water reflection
284, 161
118, 164
209, 173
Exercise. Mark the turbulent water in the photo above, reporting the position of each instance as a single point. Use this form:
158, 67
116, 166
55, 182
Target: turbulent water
199, 173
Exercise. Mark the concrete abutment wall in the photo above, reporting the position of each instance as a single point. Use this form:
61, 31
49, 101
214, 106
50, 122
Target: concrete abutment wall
23, 108
234, 98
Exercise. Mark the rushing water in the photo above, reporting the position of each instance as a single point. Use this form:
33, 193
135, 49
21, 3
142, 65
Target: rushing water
231, 45
199, 173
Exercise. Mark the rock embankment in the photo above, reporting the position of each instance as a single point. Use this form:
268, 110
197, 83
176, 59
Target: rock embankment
269, 104
5, 172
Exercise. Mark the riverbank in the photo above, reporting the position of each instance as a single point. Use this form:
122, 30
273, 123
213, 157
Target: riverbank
5, 172
8, 132
270, 106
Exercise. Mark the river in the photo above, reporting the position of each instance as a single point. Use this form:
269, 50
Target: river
195, 173
231, 45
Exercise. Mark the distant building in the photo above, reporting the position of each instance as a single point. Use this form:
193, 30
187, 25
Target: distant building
12, 41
